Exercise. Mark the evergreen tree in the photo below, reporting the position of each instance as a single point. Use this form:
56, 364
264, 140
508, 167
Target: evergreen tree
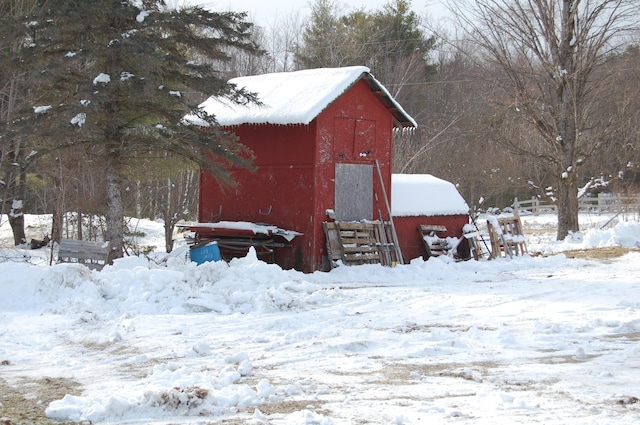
391, 42
116, 78
380, 40
325, 38
397, 36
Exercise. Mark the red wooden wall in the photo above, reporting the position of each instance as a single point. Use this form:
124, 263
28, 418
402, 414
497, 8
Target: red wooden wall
410, 241
294, 184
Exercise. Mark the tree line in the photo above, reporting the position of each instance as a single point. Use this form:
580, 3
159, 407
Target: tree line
512, 98
94, 100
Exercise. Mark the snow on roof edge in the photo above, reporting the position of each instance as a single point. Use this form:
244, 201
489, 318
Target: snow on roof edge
315, 90
393, 100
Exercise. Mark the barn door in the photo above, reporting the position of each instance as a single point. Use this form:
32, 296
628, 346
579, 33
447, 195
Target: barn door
354, 192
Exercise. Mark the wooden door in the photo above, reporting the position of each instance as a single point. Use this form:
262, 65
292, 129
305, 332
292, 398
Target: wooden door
354, 192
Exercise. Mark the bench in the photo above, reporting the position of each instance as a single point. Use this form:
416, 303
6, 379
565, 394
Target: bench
94, 255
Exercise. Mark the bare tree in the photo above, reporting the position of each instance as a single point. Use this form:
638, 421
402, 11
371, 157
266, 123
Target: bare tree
544, 54
165, 188
618, 165
281, 39
178, 202
14, 154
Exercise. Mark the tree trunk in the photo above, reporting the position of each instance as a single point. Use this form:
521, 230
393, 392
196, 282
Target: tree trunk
15, 185
115, 212
567, 190
16, 220
169, 216
16, 215
169, 226
80, 233
566, 123
58, 212
567, 209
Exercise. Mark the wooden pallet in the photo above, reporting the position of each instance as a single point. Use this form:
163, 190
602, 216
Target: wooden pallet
432, 235
508, 239
359, 243
355, 243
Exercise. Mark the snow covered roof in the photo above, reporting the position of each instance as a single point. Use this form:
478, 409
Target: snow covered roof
424, 195
297, 97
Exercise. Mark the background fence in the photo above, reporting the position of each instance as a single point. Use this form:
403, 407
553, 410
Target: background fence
603, 203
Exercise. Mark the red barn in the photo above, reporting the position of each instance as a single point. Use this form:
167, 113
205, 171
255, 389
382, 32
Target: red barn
318, 139
422, 199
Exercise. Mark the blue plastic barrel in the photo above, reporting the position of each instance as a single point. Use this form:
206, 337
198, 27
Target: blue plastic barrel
209, 252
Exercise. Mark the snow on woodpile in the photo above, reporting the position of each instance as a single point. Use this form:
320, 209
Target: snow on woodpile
289, 97
424, 195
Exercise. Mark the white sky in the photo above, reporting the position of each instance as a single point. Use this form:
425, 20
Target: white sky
267, 12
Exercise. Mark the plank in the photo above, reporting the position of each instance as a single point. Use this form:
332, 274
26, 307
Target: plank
432, 228
334, 245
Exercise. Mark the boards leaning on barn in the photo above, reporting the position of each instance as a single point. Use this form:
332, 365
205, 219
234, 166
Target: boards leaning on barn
323, 141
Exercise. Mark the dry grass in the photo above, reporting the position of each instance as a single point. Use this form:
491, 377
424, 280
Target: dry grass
287, 407
606, 253
26, 402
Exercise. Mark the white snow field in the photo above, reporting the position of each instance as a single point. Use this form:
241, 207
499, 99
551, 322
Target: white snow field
535, 339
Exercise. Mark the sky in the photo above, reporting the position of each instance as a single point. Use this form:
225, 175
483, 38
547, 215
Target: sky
267, 12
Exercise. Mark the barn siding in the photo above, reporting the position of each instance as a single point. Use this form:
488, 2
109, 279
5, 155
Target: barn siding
410, 240
295, 180
357, 110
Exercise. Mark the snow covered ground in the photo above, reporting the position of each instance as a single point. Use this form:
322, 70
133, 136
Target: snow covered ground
535, 339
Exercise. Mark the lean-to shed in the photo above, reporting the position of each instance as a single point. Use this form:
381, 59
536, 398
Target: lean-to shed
423, 199
318, 139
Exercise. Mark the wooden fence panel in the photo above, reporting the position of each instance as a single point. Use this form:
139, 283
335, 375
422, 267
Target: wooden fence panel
603, 203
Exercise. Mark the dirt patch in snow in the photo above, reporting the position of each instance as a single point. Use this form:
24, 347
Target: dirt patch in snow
26, 401
287, 407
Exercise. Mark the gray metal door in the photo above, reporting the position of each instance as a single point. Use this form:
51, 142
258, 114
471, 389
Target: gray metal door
354, 192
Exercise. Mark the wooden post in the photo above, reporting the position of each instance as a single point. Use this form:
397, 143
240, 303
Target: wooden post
393, 227
600, 203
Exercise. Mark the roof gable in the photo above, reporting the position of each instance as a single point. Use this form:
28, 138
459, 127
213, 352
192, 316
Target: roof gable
297, 97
